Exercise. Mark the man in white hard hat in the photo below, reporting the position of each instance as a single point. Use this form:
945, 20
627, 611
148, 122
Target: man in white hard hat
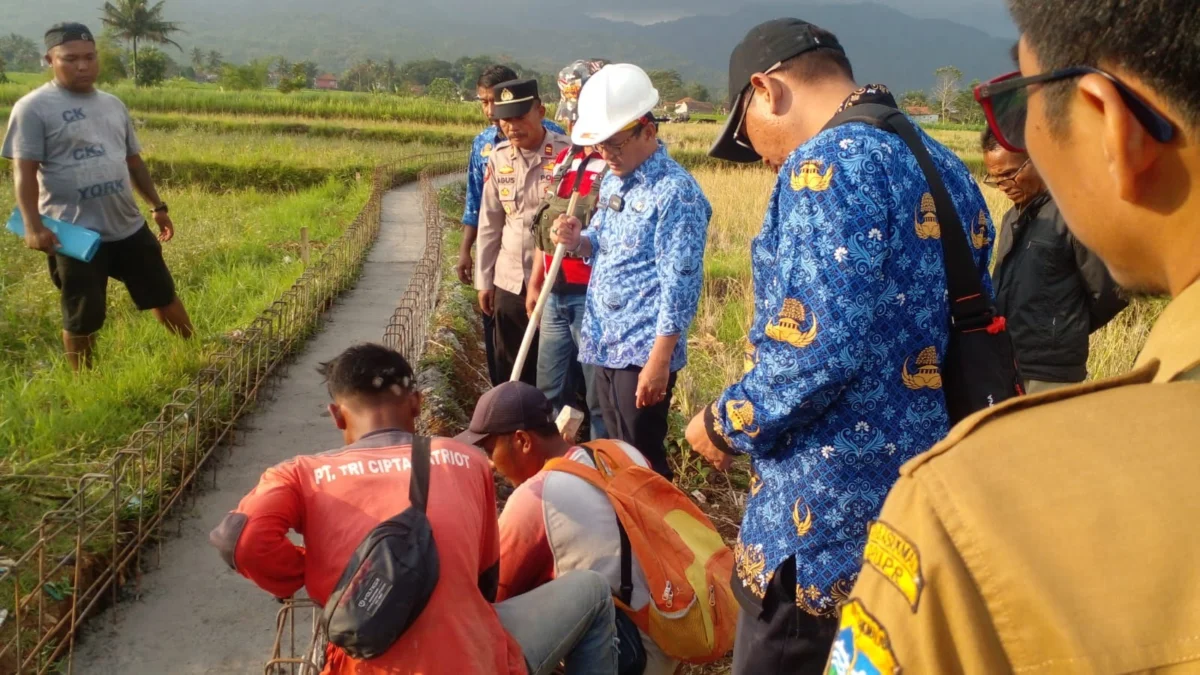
646, 245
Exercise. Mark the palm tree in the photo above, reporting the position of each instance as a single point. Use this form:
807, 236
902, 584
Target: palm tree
215, 60
134, 20
197, 59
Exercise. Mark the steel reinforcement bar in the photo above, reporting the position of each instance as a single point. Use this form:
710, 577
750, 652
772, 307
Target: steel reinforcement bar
79, 556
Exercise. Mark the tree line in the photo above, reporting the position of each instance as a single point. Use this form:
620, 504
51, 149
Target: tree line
454, 80
948, 99
137, 34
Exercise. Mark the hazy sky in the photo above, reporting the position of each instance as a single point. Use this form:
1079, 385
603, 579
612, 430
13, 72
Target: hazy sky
987, 15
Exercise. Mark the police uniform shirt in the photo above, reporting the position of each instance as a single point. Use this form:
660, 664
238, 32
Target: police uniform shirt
481, 151
1050, 534
515, 182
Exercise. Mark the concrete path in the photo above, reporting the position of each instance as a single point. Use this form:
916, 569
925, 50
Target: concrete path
195, 615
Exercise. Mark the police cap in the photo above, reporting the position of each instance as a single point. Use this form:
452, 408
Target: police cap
514, 98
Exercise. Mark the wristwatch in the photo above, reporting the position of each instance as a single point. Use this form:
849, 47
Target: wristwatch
162, 208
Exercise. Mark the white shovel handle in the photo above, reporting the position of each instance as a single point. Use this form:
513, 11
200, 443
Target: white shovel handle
535, 319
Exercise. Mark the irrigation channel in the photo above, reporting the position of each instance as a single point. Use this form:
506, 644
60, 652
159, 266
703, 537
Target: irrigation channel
189, 613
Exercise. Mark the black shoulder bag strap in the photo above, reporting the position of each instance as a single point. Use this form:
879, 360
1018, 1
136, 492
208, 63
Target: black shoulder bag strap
418, 479
970, 307
626, 594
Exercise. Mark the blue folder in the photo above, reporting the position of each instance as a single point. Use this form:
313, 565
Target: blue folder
76, 242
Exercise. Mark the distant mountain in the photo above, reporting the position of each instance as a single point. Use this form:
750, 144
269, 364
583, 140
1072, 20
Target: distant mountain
885, 44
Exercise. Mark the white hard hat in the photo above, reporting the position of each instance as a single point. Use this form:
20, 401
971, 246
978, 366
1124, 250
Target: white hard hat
617, 96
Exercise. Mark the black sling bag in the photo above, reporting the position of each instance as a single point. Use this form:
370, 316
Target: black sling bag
391, 575
980, 367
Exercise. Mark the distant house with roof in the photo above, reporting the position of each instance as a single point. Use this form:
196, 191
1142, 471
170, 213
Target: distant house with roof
686, 107
326, 82
921, 114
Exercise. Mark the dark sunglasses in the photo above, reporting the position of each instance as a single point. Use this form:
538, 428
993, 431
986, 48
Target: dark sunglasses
1005, 101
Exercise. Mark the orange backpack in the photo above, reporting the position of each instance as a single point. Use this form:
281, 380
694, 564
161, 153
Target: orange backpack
692, 615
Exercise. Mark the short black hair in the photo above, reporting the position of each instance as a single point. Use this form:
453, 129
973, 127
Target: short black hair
494, 75
1158, 41
987, 140
367, 370
546, 431
821, 63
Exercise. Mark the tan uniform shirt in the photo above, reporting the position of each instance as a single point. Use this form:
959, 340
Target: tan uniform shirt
513, 187
1050, 534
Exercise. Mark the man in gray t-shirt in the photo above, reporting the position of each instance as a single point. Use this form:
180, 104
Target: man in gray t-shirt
77, 159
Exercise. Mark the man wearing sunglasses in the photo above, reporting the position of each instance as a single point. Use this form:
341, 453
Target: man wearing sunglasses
1056, 533
1051, 288
843, 368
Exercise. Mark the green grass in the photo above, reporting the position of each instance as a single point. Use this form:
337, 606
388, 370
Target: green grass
233, 254
310, 104
269, 162
28, 80
350, 129
391, 132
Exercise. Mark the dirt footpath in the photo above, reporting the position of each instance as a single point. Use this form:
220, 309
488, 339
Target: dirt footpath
195, 615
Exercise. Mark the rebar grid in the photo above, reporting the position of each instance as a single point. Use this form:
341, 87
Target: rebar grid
406, 333
81, 554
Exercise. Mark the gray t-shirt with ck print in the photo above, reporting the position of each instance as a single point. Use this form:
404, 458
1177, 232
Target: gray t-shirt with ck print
82, 142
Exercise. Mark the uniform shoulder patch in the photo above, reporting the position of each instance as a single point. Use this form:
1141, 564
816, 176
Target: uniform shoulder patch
862, 645
897, 559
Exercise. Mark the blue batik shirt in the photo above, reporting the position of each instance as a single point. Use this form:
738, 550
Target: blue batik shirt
481, 150
842, 379
647, 264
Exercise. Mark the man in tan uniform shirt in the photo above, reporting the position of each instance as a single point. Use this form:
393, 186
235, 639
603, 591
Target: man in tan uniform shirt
519, 173
1057, 533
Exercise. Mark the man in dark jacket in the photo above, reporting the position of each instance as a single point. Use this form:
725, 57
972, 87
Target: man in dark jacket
1053, 290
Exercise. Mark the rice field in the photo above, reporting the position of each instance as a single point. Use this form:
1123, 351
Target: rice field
243, 173
241, 187
309, 104
739, 197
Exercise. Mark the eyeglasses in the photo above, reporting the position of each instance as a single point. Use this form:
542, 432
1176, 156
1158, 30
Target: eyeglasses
1010, 177
614, 150
739, 135
1005, 101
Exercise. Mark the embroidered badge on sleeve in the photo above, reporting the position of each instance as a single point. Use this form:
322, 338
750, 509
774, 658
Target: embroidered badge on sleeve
897, 559
862, 646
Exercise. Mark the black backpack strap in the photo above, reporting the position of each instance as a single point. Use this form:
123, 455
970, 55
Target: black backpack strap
626, 593
418, 481
970, 307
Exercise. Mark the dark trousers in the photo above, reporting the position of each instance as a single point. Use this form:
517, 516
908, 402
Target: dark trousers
781, 638
511, 322
643, 428
489, 346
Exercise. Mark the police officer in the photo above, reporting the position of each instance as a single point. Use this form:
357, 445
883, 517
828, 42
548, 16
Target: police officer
481, 150
519, 173
1056, 533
